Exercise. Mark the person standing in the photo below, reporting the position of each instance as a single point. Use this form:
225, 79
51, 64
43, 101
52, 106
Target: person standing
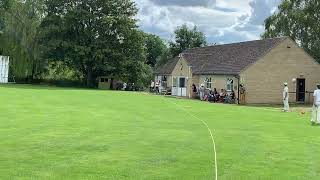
194, 91
316, 106
124, 86
202, 91
285, 95
133, 87
157, 87
242, 94
152, 86
232, 99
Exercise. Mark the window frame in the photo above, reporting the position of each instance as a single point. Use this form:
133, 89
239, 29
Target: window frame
208, 82
230, 86
174, 81
164, 78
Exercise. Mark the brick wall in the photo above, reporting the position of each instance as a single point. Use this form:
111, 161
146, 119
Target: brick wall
264, 79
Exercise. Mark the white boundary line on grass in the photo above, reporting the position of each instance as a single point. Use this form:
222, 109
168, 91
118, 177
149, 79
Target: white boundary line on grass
210, 132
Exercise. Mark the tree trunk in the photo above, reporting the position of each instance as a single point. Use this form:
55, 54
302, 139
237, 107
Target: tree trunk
111, 84
89, 77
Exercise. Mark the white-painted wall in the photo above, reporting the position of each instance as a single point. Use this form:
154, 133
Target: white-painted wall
4, 69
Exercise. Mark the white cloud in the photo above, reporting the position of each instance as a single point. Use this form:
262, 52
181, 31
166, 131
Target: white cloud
239, 5
221, 20
184, 2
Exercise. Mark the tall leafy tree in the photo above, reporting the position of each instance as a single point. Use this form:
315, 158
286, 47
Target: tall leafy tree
97, 37
19, 26
298, 19
164, 58
155, 48
3, 7
186, 38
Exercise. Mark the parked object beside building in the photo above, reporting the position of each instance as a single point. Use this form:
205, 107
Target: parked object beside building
107, 83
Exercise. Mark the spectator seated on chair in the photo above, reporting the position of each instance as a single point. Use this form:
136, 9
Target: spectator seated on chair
230, 98
206, 95
215, 95
223, 95
211, 97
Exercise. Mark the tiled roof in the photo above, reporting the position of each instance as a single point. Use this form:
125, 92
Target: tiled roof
229, 59
167, 68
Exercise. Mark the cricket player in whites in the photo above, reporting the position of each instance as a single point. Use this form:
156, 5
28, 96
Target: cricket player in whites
285, 95
316, 106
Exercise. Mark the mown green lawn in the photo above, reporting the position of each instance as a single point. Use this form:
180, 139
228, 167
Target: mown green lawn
53, 133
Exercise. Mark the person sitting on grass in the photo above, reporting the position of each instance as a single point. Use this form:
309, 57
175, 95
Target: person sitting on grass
316, 107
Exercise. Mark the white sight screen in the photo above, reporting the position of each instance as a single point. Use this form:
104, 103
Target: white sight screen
4, 69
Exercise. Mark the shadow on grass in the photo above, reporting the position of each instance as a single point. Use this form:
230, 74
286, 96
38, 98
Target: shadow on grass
294, 107
55, 88
279, 105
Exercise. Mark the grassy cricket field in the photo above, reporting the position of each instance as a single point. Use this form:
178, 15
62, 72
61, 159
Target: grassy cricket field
55, 133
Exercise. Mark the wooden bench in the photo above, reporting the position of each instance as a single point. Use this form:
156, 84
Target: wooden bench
165, 92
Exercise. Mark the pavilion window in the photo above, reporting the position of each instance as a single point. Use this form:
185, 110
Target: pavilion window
229, 84
164, 81
209, 83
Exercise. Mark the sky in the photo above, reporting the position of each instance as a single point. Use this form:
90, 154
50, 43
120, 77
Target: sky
222, 21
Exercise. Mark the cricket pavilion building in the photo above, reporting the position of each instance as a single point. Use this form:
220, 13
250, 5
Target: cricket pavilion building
261, 66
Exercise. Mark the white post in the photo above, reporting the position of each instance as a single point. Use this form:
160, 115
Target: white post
172, 85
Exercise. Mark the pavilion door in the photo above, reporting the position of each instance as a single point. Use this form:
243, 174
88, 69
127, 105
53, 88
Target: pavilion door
301, 90
179, 87
182, 90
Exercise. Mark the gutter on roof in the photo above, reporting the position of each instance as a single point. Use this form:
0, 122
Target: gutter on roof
232, 74
162, 74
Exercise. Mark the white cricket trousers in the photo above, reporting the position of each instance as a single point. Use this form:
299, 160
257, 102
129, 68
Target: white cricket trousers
316, 114
286, 105
201, 95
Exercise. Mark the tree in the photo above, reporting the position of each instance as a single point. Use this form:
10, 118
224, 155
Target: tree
154, 48
98, 37
298, 19
3, 7
164, 58
19, 26
186, 38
